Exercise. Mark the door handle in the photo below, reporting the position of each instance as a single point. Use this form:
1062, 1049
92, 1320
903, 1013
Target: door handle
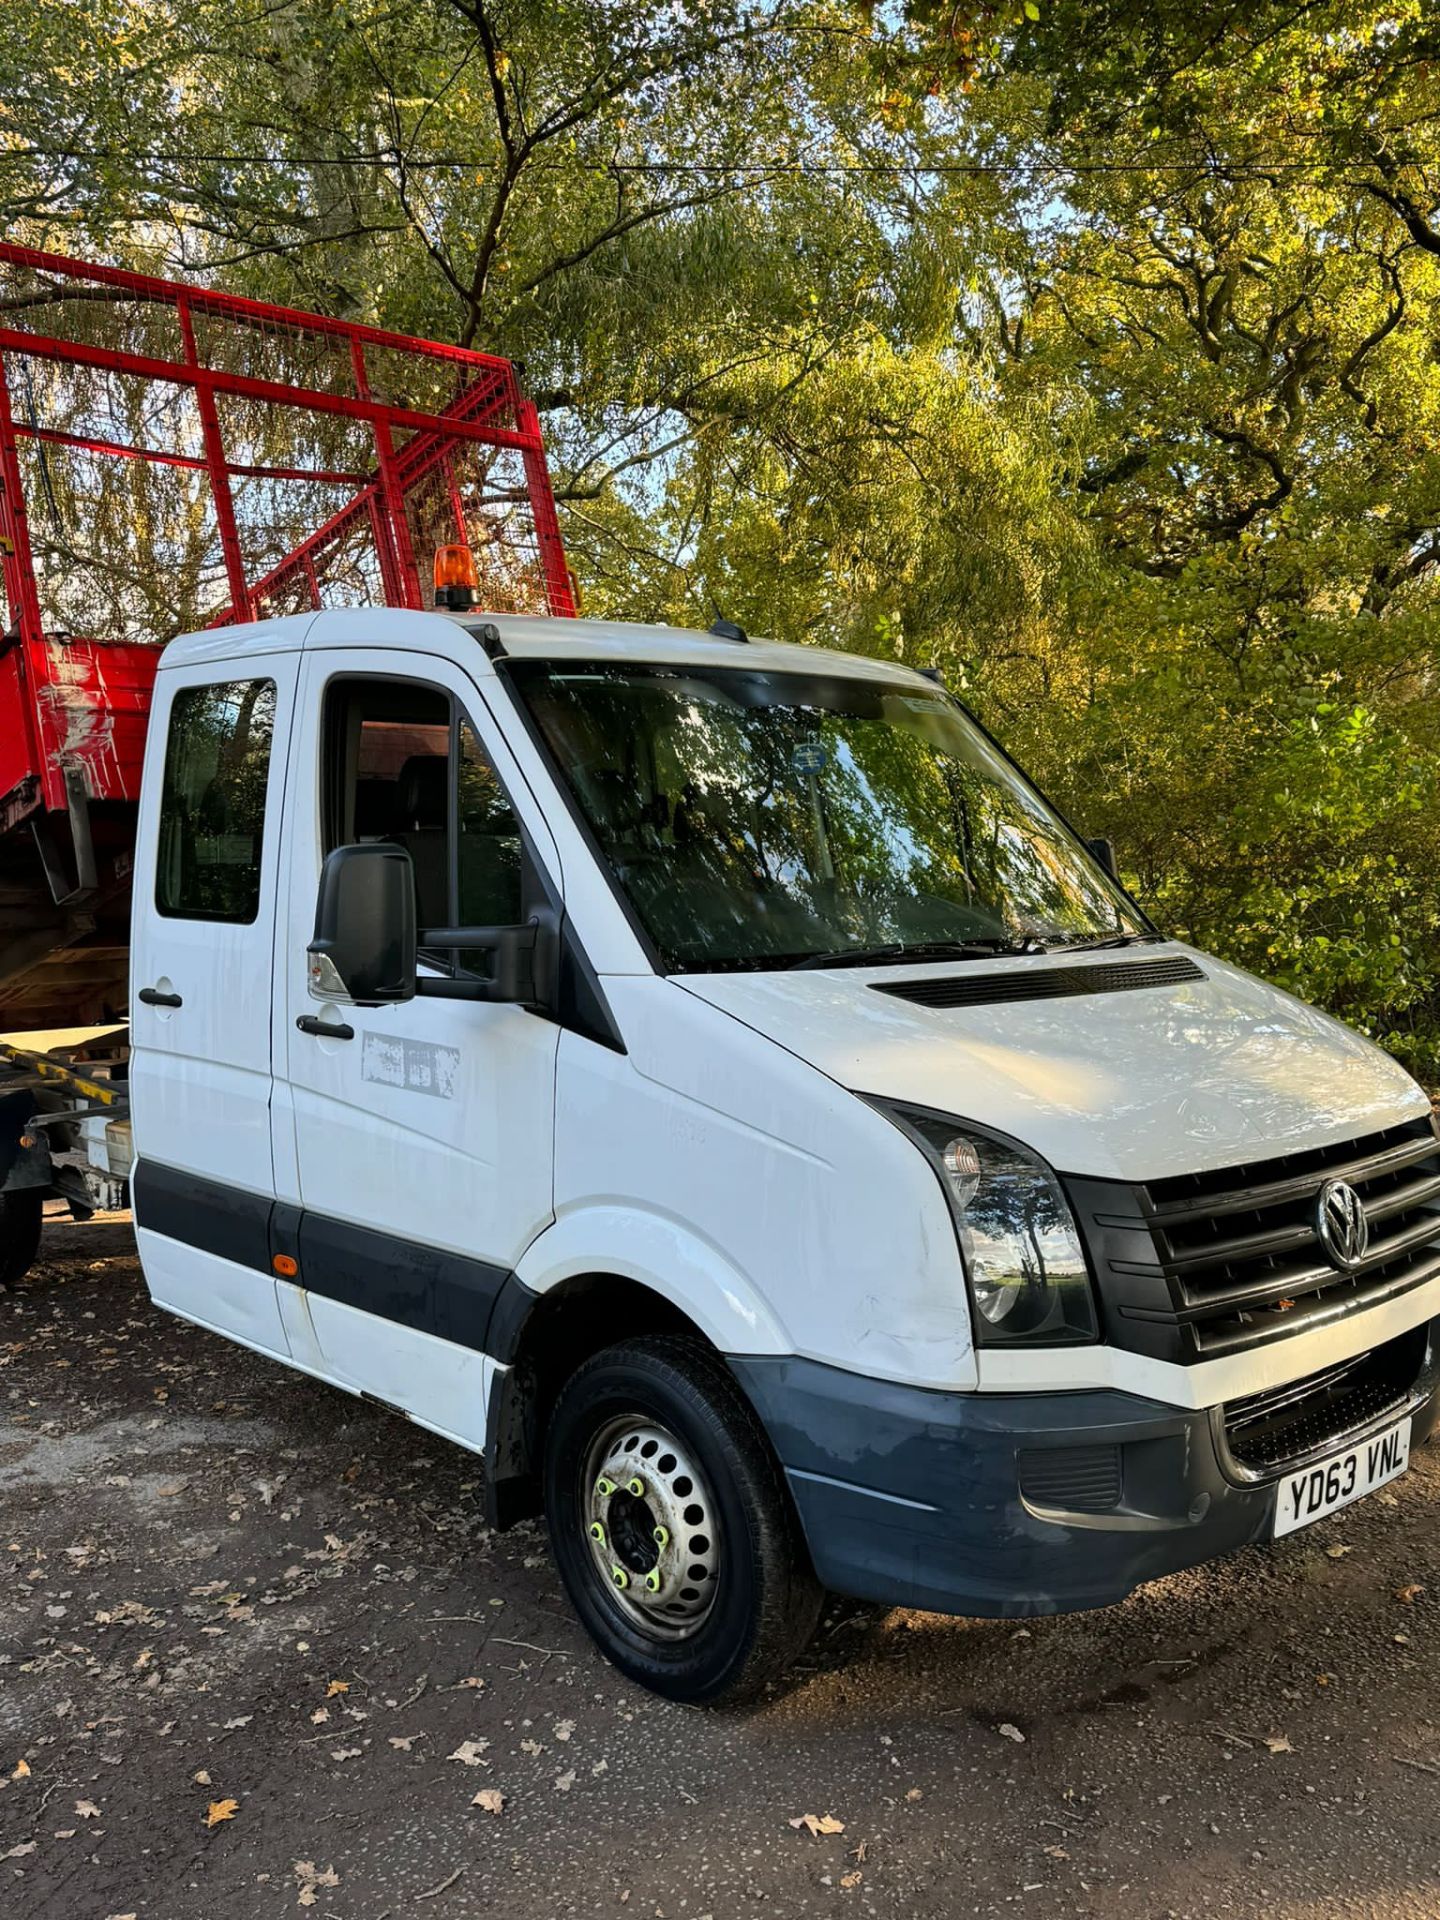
152, 997
326, 1029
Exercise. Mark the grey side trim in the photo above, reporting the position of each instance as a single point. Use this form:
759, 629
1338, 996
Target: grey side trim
208, 1214
427, 1288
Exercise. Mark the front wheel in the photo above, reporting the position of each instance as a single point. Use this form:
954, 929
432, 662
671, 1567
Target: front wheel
671, 1524
20, 1216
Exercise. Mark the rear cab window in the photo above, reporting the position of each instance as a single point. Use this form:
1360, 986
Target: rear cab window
212, 803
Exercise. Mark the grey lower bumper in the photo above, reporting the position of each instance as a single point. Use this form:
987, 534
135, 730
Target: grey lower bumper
992, 1504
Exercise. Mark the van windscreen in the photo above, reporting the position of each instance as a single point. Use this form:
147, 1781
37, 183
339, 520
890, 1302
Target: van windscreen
761, 820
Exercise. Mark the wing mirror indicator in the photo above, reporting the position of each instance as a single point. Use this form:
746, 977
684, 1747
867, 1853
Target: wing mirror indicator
364, 944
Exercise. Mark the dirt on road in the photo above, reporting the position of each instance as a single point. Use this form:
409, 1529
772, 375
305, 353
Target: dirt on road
260, 1655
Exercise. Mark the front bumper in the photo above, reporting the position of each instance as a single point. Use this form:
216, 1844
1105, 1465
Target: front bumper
1006, 1504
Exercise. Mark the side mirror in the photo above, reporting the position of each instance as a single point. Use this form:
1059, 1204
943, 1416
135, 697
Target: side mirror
513, 966
1104, 852
364, 945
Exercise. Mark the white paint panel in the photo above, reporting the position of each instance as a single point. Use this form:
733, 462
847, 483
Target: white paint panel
443, 1387
1130, 1086
200, 1072
782, 1213
215, 1293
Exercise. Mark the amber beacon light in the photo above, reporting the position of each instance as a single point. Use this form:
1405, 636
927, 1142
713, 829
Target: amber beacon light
455, 579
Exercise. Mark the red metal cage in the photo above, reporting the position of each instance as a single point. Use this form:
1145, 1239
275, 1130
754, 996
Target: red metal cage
172, 458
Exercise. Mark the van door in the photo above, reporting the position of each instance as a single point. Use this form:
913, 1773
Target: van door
423, 1133
207, 866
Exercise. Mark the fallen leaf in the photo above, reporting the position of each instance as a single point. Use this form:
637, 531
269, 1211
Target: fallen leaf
1409, 1594
816, 1824
219, 1810
336, 1686
1279, 1743
489, 1800
1338, 1552
564, 1729
914, 1794
87, 1809
1057, 1853
404, 1741
24, 1846
347, 1753
564, 1781
319, 1716
471, 1680
202, 1779
240, 1720
1009, 1732
309, 1877
848, 1880
22, 1770
532, 1747
468, 1753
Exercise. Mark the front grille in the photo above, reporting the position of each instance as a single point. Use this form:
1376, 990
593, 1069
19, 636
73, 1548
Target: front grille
1214, 1263
1042, 983
1268, 1432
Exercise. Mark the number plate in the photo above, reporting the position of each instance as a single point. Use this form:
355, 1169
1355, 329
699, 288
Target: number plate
1334, 1483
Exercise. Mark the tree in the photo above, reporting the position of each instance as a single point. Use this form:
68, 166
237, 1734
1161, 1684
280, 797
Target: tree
1231, 273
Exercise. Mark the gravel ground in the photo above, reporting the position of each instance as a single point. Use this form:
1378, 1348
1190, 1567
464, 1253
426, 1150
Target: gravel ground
259, 1653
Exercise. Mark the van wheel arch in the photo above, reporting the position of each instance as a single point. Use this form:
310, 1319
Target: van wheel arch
544, 1339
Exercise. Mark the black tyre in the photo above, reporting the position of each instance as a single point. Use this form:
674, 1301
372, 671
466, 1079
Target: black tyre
20, 1216
671, 1524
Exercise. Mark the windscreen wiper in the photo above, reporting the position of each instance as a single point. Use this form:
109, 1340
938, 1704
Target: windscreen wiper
901, 950
1110, 940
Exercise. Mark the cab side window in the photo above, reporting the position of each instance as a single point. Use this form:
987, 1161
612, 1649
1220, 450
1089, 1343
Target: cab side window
212, 804
401, 763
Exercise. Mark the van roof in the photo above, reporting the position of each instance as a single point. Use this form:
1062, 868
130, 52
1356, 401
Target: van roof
525, 637
539, 637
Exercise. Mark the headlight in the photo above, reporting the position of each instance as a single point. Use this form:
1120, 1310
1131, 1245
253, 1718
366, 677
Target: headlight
1023, 1260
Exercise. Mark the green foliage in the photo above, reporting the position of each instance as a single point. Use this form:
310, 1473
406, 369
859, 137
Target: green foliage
1084, 349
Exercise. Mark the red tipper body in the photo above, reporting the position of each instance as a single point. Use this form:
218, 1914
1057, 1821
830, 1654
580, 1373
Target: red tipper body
265, 461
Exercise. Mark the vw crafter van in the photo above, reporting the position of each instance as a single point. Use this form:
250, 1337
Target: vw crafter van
707, 1079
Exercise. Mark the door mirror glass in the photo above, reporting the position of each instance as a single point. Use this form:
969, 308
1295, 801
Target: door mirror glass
364, 945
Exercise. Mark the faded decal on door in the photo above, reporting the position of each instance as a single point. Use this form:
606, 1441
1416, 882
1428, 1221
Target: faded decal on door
419, 1066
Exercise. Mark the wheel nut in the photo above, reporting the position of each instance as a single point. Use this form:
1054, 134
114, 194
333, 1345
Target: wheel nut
597, 1532
620, 1576
604, 1487
661, 1537
652, 1580
636, 1486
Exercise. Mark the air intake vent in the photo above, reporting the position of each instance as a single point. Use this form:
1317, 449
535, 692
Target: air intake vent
1043, 983
1074, 1479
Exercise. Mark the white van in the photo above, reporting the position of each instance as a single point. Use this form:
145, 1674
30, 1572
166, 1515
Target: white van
705, 1078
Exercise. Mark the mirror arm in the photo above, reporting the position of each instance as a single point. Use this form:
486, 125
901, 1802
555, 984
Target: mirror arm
435, 986
517, 951
479, 939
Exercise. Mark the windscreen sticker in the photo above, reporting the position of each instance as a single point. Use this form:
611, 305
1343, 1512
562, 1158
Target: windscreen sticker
417, 1066
809, 757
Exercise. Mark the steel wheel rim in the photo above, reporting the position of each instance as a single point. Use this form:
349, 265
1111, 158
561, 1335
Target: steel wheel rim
652, 1528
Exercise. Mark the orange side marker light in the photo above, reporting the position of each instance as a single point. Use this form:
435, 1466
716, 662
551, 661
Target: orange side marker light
285, 1266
